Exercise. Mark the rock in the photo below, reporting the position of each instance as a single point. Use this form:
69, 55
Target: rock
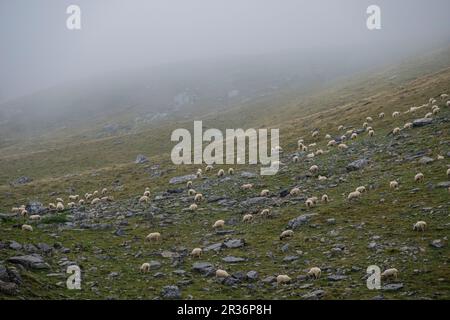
231, 259
290, 258
204, 268
422, 122
316, 294
248, 175
437, 244
336, 277
119, 232
182, 179
269, 279
8, 288
300, 220
140, 158
357, 165
426, 160
155, 265
214, 246
171, 292
15, 245
252, 275
32, 261
234, 243
22, 180
445, 184
30, 248
392, 287
231, 281
284, 193
35, 207
251, 202
4, 276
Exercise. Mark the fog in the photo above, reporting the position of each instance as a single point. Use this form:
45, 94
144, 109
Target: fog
38, 51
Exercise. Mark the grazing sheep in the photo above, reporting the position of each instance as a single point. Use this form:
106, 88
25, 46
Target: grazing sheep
371, 133
95, 193
219, 224
197, 252
396, 131
448, 103
198, 198
144, 199
354, 136
59, 200
310, 155
369, 119
295, 159
429, 115
70, 205
199, 171
342, 146
189, 184
221, 273
145, 267
332, 143
230, 171
419, 177
314, 169
282, 278
349, 132
395, 114
408, 125
303, 148
80, 202
209, 168
198, 174
104, 191
23, 212
420, 226
247, 186
368, 129
314, 272
88, 196
354, 195
327, 136
247, 218
265, 193
325, 198
15, 210
448, 172
154, 236
193, 207
319, 152
381, 115
147, 193
315, 134
309, 203
295, 192
286, 234
322, 178
220, 173
52, 206
390, 273
341, 127
59, 206
35, 217
191, 192
74, 198
444, 96
361, 189
27, 227
97, 200
393, 185
107, 199
265, 213
436, 110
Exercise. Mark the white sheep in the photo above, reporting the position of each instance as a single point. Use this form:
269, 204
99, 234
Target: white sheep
23, 212
219, 224
371, 133
310, 155
147, 193
247, 186
221, 273
309, 203
381, 115
191, 192
145, 267
209, 168
419, 177
70, 205
342, 146
408, 125
295, 159
322, 178
341, 127
247, 218
332, 143
390, 273
95, 193
59, 206
35, 217
104, 191
193, 207
436, 110
354, 136
353, 195
197, 252
315, 134
230, 171
74, 197
448, 103
59, 200
429, 115
198, 198
88, 196
220, 173
154, 236
396, 131
27, 227
52, 206
448, 172
395, 114
81, 202
319, 152
97, 200
444, 96
393, 185
314, 169
265, 213
286, 234
325, 198
327, 136
282, 278
189, 184
420, 226
315, 272
361, 189
265, 193
142, 199
295, 192
369, 119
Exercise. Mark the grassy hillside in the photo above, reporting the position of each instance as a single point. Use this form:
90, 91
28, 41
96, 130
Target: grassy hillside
342, 238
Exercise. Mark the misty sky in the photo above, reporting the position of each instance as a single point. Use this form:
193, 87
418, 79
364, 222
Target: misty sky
38, 51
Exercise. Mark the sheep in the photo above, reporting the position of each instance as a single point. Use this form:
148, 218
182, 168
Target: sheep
341, 127
107, 199
265, 193
286, 234
369, 119
219, 224
27, 227
314, 169
230, 171
145, 267
448, 103
247, 186
59, 206
349, 132
408, 125
315, 134
35, 217
59, 200
23, 212
309, 203
198, 174
74, 198
97, 200
247, 218
419, 177
295, 192
420, 226
342, 146
327, 136
196, 252
189, 184
147, 193
80, 202
444, 96
361, 189
191, 192
381, 115
325, 198
365, 125
221, 273
198, 198
353, 195
52, 206
319, 152
390, 273
354, 136
448, 172
322, 178
436, 110
432, 101
282, 278
295, 159
396, 131
220, 173
331, 143
143, 199
368, 129
199, 171
70, 205
371, 133
429, 115
393, 185
154, 236
95, 193
209, 168
265, 213
310, 155
395, 114
147, 189
104, 191
193, 207
15, 210
440, 157
303, 148
315, 272
88, 196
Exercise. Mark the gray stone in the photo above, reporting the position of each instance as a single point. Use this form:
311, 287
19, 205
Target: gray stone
314, 295
8, 288
251, 202
35, 207
15, 245
204, 268
252, 275
171, 292
234, 243
445, 184
155, 265
231, 259
300, 220
248, 175
437, 243
357, 165
422, 122
44, 247
140, 158
214, 246
336, 277
32, 261
22, 180
182, 179
290, 258
426, 160
392, 287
